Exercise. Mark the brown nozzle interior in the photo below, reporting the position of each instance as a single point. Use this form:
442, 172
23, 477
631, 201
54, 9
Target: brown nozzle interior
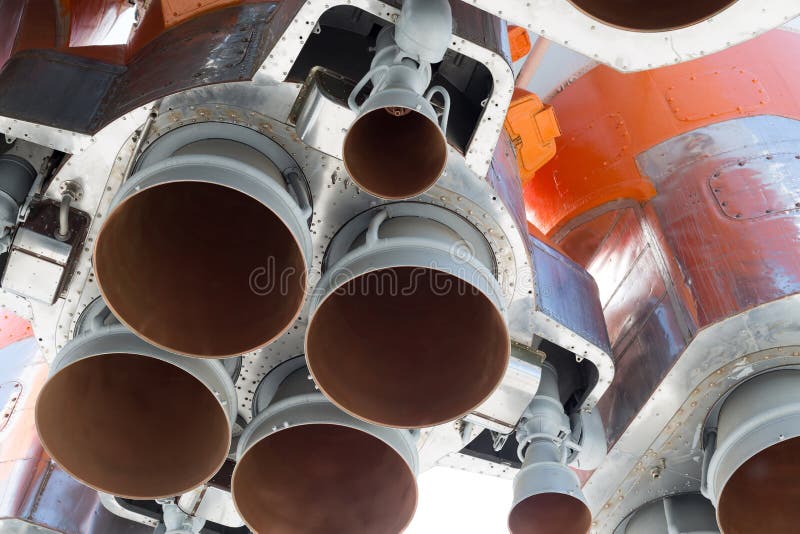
395, 156
407, 347
550, 513
132, 426
324, 478
200, 269
762, 495
652, 15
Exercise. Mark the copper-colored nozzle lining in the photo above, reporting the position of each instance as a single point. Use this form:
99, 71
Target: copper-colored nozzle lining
200, 269
132, 426
395, 156
407, 347
652, 15
550, 513
762, 495
324, 478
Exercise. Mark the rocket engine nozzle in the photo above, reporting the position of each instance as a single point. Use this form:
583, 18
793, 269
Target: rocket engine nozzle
550, 513
129, 419
403, 332
655, 15
397, 146
205, 251
547, 494
304, 466
752, 476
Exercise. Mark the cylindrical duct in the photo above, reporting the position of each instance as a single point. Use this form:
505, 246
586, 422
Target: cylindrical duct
405, 331
654, 15
547, 494
304, 466
132, 420
206, 248
16, 179
754, 471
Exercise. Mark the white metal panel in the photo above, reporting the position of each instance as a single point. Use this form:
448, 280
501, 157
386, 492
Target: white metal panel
626, 50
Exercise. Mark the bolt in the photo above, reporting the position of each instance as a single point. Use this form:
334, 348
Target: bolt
655, 473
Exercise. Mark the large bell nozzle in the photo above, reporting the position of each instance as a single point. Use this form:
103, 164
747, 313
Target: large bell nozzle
754, 470
132, 420
654, 15
304, 466
396, 148
404, 331
676, 514
205, 249
547, 494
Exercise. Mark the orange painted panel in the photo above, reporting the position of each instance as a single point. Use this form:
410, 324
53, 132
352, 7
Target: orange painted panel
607, 118
13, 329
519, 41
532, 128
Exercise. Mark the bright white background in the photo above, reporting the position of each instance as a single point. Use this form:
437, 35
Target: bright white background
453, 501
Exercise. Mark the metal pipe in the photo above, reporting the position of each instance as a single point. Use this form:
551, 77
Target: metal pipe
63, 217
140, 137
532, 62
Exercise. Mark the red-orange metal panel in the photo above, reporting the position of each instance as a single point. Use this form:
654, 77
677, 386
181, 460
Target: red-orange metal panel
90, 21
607, 118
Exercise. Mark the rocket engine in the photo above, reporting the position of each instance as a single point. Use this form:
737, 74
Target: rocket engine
547, 493
398, 309
329, 194
654, 16
305, 466
133, 420
751, 454
206, 248
397, 146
